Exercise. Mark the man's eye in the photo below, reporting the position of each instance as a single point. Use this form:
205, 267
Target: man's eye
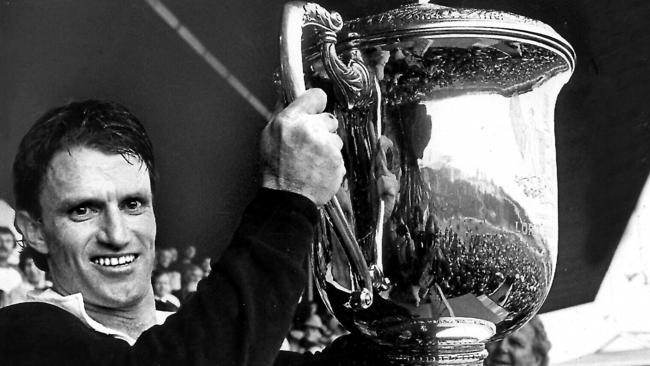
516, 343
81, 212
133, 205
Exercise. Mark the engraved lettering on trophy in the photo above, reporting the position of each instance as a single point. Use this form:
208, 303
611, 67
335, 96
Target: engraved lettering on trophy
527, 228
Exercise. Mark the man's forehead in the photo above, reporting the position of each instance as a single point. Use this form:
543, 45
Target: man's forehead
525, 332
84, 155
82, 170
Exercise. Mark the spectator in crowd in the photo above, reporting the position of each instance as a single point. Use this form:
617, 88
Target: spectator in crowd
189, 282
10, 277
309, 333
34, 281
174, 252
295, 337
314, 339
162, 291
527, 346
165, 262
164, 258
205, 266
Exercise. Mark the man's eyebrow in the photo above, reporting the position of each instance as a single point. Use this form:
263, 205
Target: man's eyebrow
69, 203
141, 194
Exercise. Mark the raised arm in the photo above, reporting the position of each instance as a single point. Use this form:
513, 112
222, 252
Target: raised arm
243, 310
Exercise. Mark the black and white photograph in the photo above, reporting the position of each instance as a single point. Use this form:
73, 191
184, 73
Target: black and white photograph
292, 183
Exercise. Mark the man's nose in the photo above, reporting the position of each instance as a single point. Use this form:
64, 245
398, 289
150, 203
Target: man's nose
503, 345
114, 231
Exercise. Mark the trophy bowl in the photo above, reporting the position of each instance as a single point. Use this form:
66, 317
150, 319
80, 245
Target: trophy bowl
444, 233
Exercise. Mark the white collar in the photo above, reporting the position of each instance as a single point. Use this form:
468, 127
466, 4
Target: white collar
74, 304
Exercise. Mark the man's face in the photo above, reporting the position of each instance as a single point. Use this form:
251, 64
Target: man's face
190, 252
192, 277
99, 227
164, 258
7, 244
514, 350
162, 286
196, 275
193, 274
205, 266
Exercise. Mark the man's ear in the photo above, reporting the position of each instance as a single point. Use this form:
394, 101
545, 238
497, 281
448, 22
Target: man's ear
32, 231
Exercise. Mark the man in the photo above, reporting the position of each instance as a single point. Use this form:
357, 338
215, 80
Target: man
162, 291
528, 346
10, 277
205, 266
163, 258
84, 181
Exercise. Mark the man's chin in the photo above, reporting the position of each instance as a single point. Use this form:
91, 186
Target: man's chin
121, 298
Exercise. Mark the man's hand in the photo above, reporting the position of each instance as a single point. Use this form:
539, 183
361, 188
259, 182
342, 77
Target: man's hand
300, 150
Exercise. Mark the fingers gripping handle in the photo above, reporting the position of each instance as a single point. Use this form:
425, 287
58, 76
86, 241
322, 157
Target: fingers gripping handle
296, 16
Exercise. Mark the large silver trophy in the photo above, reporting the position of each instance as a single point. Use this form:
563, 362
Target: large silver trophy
444, 233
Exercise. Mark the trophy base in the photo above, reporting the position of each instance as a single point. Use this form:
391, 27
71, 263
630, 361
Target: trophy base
459, 341
451, 352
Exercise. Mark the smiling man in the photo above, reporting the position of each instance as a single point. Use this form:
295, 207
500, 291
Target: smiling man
97, 228
84, 182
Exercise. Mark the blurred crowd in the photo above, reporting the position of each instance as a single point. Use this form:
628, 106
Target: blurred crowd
314, 328
176, 276
18, 273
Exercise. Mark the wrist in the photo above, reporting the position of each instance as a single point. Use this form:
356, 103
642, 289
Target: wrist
279, 184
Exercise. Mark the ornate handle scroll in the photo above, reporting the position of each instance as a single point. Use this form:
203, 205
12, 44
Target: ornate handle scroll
349, 80
353, 83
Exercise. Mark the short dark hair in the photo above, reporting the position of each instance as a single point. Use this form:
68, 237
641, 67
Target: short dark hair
102, 125
6, 230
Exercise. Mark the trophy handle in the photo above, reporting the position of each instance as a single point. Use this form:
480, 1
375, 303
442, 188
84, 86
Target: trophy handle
351, 84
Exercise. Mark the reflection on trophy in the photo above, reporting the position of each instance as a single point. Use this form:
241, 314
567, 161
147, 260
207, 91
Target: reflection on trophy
444, 233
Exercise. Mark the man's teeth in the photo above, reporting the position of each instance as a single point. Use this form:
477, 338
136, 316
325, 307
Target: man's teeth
114, 261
